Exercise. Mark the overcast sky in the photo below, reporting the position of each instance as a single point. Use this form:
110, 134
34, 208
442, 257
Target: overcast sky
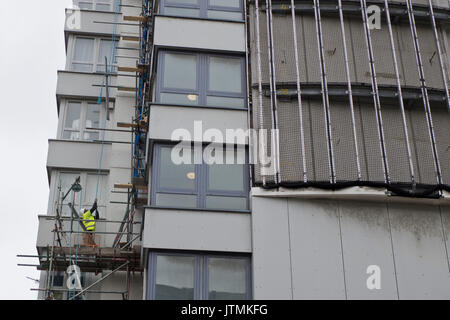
31, 51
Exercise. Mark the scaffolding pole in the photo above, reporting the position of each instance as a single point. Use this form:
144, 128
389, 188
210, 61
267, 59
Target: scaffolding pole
273, 93
299, 97
400, 94
424, 90
325, 97
261, 145
375, 94
349, 91
439, 52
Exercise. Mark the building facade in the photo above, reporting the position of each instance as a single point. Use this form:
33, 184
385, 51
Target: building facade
251, 150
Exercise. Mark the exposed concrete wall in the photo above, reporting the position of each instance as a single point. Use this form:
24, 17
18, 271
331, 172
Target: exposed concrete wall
320, 249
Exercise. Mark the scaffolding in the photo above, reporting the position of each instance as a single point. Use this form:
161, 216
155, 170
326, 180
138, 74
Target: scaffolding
110, 247
273, 96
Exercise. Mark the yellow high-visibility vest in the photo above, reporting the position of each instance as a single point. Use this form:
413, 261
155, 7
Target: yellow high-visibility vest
90, 225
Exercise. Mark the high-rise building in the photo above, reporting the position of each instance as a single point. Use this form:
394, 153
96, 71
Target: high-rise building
251, 150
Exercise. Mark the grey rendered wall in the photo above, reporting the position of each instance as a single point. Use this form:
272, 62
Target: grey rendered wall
319, 249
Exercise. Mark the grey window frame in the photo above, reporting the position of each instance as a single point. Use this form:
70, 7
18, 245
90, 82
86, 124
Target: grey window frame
95, 54
203, 6
201, 272
202, 91
201, 188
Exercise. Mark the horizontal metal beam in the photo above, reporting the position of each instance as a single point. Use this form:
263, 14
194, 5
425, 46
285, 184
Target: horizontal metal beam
289, 90
349, 7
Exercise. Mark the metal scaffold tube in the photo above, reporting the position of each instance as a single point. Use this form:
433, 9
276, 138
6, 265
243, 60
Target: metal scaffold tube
261, 146
349, 91
299, 97
439, 53
375, 94
273, 93
325, 97
424, 90
400, 94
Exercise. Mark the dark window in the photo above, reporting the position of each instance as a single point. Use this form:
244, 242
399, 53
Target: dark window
221, 184
176, 276
207, 9
201, 79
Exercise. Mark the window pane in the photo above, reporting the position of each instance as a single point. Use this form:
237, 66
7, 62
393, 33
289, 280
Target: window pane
71, 135
85, 5
225, 3
65, 181
91, 187
226, 177
73, 115
175, 176
227, 279
226, 15
176, 200
182, 2
179, 98
84, 50
91, 135
103, 7
182, 12
93, 115
180, 71
225, 102
225, 74
227, 203
174, 278
82, 67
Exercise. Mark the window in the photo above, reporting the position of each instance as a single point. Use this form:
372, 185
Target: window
180, 276
201, 79
219, 184
89, 54
207, 9
80, 119
100, 5
86, 197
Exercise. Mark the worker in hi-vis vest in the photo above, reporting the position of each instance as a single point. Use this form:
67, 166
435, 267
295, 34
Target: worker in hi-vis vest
89, 221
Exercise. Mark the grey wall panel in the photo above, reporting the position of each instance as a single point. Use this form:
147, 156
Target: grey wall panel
197, 230
422, 150
302, 238
442, 131
271, 256
404, 43
263, 46
384, 63
311, 53
430, 59
315, 250
422, 266
333, 50
366, 241
372, 165
445, 216
199, 34
343, 142
395, 143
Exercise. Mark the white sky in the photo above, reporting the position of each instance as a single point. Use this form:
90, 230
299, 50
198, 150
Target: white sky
31, 51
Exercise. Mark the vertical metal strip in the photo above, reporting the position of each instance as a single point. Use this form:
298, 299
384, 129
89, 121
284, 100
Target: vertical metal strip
273, 93
325, 98
261, 147
400, 93
299, 97
439, 51
423, 87
375, 94
349, 91
248, 85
